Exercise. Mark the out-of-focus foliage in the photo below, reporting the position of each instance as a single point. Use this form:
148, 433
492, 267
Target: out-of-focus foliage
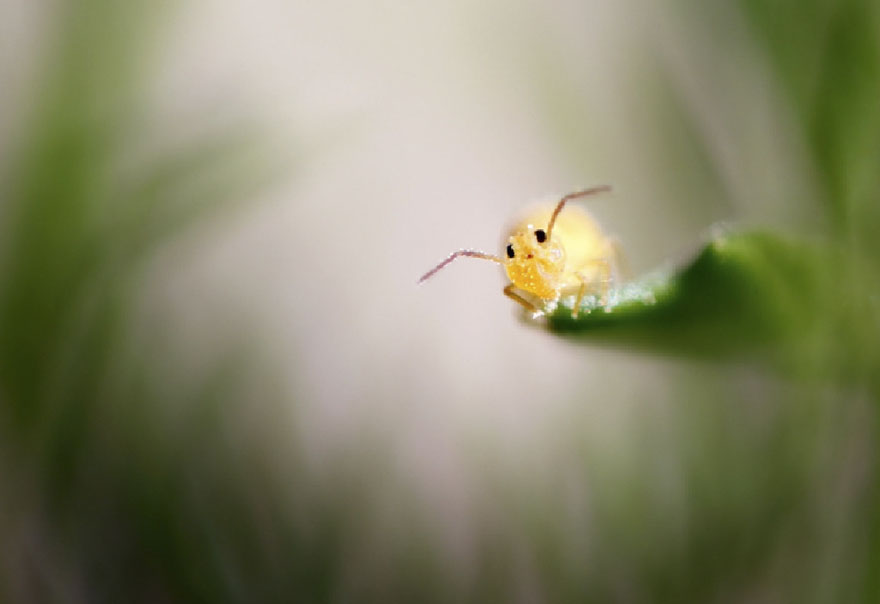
827, 56
105, 497
123, 481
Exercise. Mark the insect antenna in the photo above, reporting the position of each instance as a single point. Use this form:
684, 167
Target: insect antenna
453, 256
575, 195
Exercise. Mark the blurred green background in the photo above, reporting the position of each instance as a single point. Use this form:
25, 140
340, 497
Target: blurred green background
219, 383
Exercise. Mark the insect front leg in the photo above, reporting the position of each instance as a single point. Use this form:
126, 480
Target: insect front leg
508, 291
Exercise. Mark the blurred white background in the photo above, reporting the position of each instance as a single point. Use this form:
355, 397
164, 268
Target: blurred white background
409, 130
295, 405
418, 129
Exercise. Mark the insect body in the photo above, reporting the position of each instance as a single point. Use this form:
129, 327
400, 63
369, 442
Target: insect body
551, 253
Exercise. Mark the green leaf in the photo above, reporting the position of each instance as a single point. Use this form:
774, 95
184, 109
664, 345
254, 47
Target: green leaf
742, 293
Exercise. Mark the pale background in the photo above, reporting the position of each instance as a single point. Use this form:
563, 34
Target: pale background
408, 130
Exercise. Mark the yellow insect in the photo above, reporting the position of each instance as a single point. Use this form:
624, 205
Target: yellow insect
550, 254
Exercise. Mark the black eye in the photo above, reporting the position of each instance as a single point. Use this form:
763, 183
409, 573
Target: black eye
541, 235
509, 251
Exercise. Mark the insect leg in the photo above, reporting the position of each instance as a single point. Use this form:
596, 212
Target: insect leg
508, 291
580, 297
